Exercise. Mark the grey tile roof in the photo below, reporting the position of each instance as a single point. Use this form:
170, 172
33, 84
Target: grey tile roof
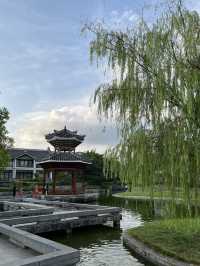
67, 156
64, 133
44, 155
36, 154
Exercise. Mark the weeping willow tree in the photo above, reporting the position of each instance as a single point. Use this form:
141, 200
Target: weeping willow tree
155, 99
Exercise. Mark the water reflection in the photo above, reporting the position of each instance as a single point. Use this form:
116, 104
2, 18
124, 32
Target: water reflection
102, 245
135, 208
154, 209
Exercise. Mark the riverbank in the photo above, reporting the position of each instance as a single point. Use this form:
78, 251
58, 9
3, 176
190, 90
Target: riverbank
176, 238
139, 193
146, 194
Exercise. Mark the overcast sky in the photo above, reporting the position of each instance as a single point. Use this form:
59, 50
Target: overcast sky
46, 79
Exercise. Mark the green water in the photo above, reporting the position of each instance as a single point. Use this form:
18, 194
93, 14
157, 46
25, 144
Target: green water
102, 245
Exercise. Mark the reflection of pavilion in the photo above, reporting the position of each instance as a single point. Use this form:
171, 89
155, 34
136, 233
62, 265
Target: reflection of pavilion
64, 159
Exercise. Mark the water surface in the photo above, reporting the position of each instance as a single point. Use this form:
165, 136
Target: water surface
102, 245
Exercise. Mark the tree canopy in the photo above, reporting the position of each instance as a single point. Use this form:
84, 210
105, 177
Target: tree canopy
154, 98
5, 140
94, 174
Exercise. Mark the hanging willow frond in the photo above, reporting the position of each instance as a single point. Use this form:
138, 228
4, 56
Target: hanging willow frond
155, 98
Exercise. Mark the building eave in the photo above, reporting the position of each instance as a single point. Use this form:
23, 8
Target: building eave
27, 154
64, 161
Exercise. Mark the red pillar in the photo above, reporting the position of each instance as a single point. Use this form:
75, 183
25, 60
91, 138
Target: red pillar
54, 180
74, 187
83, 181
44, 180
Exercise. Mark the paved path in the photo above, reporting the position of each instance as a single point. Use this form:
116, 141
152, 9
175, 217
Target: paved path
10, 252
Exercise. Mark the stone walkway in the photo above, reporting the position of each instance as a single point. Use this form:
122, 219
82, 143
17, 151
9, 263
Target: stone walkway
9, 252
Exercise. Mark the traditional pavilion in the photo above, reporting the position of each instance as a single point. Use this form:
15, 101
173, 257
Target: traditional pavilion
64, 158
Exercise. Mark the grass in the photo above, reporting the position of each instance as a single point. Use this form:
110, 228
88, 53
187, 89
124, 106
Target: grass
139, 192
143, 193
177, 238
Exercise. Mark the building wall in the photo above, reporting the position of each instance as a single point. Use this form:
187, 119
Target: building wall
20, 168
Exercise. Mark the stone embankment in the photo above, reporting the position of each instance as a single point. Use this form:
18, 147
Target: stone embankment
150, 255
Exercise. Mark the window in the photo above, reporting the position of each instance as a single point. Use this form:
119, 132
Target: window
24, 175
6, 175
24, 163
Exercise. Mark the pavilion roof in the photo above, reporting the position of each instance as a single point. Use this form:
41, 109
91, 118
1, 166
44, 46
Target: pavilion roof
64, 133
66, 157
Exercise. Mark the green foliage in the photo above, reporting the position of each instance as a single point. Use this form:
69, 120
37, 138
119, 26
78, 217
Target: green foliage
177, 238
38, 178
64, 178
5, 140
94, 174
155, 99
138, 192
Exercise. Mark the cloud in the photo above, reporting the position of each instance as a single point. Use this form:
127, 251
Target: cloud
119, 20
193, 5
122, 20
31, 128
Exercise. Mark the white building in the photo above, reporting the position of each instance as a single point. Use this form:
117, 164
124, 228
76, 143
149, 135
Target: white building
23, 164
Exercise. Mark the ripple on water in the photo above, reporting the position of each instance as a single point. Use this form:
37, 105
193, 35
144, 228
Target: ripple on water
107, 254
102, 246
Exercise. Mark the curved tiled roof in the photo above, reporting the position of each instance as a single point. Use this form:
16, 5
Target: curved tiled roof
36, 154
66, 157
47, 155
64, 133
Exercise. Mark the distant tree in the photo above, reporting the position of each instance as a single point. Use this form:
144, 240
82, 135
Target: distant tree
5, 141
94, 173
155, 99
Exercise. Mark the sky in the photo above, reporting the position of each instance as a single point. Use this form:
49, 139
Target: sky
46, 79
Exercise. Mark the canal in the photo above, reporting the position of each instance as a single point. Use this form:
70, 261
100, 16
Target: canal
102, 246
